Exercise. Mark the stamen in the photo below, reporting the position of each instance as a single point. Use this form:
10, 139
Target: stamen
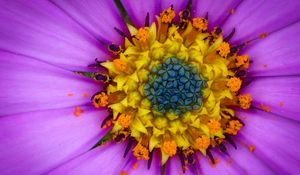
234, 127
181, 157
230, 35
102, 77
223, 148
245, 101
184, 18
141, 152
78, 111
234, 84
142, 35
107, 122
100, 100
121, 136
240, 74
224, 49
114, 49
242, 61
120, 65
189, 154
147, 23
210, 156
231, 142
167, 15
200, 24
150, 160
202, 142
125, 120
128, 147
214, 126
169, 147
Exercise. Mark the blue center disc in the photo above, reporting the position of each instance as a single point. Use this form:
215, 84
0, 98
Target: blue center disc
174, 86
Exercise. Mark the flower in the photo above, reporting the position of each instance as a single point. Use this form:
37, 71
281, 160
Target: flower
43, 42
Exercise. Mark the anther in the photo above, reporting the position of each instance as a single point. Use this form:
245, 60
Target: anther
223, 49
141, 152
142, 35
222, 148
232, 143
107, 122
167, 15
245, 101
202, 142
227, 38
240, 73
114, 49
150, 160
102, 77
200, 24
100, 100
128, 147
218, 30
181, 157
210, 156
121, 136
234, 84
147, 22
214, 126
169, 147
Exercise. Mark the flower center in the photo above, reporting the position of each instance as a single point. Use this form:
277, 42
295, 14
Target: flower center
174, 86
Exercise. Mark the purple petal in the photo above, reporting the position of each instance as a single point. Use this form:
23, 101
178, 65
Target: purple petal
281, 94
251, 19
106, 159
39, 29
275, 139
278, 54
28, 85
97, 17
218, 10
36, 142
137, 11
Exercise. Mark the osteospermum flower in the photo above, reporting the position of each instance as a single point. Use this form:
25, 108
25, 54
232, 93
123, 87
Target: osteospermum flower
176, 87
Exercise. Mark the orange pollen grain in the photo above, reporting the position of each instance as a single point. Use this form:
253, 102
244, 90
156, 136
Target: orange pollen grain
263, 35
70, 94
214, 126
85, 95
135, 166
125, 120
142, 35
245, 101
120, 65
167, 15
234, 127
123, 173
141, 152
200, 24
169, 147
78, 111
251, 148
265, 107
242, 61
234, 84
202, 142
232, 11
224, 49
281, 104
100, 100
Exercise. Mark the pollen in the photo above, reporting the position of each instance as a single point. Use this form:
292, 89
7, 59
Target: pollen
142, 35
245, 101
263, 35
251, 148
125, 120
265, 107
242, 61
167, 15
123, 173
85, 95
214, 126
135, 165
202, 142
141, 152
120, 65
170, 147
78, 111
224, 49
200, 24
233, 127
100, 100
70, 94
234, 84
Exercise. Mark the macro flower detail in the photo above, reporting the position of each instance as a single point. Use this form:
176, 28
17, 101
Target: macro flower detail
149, 87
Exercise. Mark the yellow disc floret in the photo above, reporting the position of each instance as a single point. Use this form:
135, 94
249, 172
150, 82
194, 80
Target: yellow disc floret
245, 101
142, 35
200, 24
202, 142
224, 49
124, 120
100, 100
141, 152
234, 84
167, 15
214, 126
170, 147
233, 127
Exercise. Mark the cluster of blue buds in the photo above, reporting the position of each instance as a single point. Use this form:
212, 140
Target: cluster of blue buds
174, 86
